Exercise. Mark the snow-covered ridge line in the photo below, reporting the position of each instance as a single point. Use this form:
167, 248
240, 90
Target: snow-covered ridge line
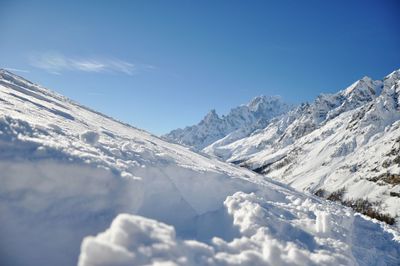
238, 123
67, 173
24, 84
307, 117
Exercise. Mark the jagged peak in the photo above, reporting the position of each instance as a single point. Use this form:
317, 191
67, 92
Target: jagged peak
366, 79
211, 116
264, 98
212, 112
395, 74
359, 85
392, 78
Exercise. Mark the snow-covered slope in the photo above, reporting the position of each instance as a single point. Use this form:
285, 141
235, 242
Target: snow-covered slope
239, 123
67, 172
348, 140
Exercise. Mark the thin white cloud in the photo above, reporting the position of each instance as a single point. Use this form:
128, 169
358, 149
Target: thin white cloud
88, 66
16, 70
56, 63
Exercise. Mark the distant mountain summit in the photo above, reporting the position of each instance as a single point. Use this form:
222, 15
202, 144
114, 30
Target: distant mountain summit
239, 122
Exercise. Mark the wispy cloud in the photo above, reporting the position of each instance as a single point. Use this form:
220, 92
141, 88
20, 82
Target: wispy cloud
56, 63
16, 70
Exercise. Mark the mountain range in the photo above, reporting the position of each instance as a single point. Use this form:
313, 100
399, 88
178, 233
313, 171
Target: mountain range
238, 123
345, 143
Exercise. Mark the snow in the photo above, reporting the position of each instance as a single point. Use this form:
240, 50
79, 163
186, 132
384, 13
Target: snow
341, 140
90, 137
240, 122
273, 230
81, 187
322, 223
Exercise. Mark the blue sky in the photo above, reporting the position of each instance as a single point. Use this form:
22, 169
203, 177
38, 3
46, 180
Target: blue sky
159, 65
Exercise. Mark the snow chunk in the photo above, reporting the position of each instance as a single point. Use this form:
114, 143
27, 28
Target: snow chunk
322, 222
90, 137
130, 176
135, 240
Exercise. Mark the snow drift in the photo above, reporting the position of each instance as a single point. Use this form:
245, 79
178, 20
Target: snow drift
274, 228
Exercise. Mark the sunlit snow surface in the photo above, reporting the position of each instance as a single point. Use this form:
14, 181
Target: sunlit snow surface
80, 187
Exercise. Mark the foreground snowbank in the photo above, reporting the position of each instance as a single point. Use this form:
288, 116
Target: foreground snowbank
285, 231
47, 205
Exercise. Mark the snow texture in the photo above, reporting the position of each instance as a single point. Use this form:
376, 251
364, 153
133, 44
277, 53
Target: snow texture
273, 229
68, 172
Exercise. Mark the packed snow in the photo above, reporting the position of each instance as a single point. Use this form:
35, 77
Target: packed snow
79, 187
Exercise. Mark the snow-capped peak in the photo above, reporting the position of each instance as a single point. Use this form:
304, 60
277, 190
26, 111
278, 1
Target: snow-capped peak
394, 75
261, 101
245, 118
365, 82
211, 117
392, 78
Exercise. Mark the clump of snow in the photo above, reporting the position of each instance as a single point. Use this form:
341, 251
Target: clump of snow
90, 137
322, 222
135, 240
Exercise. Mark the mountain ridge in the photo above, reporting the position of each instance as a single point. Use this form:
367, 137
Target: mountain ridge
246, 118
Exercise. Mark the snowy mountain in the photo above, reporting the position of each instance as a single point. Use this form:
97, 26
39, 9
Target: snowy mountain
239, 123
348, 141
80, 187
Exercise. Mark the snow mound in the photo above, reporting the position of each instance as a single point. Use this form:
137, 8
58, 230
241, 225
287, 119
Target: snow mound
286, 231
90, 137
